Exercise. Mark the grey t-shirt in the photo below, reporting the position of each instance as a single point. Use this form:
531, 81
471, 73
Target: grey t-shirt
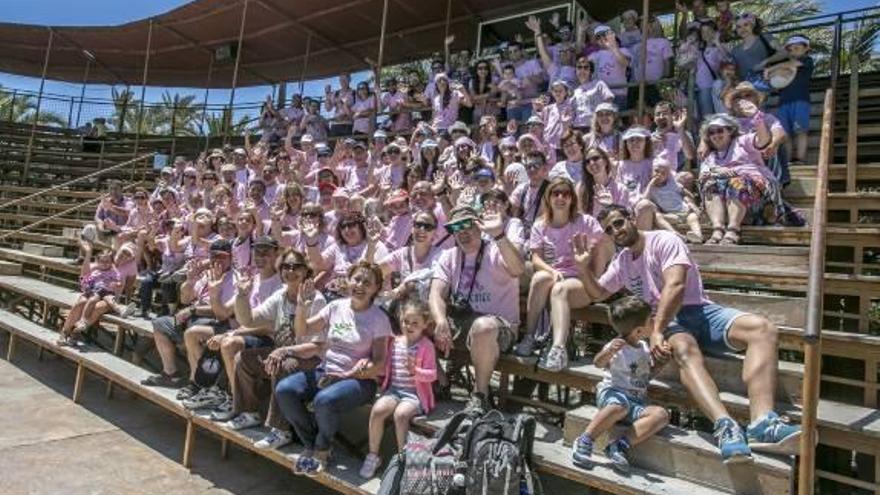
746, 59
279, 309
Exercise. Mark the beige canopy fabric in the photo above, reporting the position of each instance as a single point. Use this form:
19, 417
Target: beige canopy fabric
344, 34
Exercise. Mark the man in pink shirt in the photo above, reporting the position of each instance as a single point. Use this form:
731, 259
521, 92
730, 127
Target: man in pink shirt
657, 267
474, 297
611, 63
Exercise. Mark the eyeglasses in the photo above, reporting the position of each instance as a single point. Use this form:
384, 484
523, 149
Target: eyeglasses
208, 177
715, 131
188, 176
605, 113
292, 266
560, 193
139, 196
348, 225
582, 66
593, 159
456, 227
393, 152
426, 226
615, 226
534, 165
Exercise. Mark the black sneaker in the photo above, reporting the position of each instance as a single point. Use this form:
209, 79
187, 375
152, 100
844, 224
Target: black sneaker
164, 380
189, 390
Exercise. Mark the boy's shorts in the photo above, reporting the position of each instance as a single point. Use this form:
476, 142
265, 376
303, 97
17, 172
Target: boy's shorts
794, 116
635, 407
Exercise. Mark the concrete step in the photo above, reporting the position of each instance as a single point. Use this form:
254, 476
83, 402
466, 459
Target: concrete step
9, 268
43, 250
691, 456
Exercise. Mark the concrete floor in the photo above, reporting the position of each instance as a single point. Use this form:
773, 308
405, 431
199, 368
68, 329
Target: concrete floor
49, 445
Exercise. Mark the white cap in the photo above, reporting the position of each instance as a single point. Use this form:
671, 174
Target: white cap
798, 38
601, 29
636, 132
606, 107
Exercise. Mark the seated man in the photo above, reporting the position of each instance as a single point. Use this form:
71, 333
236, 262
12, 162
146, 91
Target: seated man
657, 267
475, 294
210, 288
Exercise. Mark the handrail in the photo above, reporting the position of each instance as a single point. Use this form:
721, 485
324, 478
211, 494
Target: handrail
815, 292
65, 184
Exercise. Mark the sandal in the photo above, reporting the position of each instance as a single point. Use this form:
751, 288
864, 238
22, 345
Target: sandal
715, 239
731, 237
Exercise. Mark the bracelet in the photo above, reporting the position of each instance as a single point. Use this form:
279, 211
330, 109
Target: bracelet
311, 245
499, 237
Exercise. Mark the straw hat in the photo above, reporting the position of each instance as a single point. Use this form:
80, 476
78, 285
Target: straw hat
744, 89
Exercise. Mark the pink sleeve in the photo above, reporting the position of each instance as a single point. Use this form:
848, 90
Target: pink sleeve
426, 371
611, 279
592, 228
445, 266
672, 250
666, 51
329, 255
604, 91
536, 236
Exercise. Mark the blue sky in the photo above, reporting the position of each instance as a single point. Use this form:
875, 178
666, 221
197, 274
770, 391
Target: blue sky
110, 12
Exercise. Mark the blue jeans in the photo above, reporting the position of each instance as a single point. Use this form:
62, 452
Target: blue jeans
705, 105
330, 403
149, 283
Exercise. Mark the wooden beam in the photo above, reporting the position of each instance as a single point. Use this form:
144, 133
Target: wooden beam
97, 61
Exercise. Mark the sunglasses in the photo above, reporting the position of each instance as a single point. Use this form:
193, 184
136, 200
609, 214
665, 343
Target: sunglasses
593, 159
534, 165
348, 225
209, 177
138, 196
190, 176
426, 226
582, 66
459, 226
615, 226
560, 193
605, 113
716, 131
292, 266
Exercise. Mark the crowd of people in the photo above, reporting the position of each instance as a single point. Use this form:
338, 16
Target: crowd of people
330, 264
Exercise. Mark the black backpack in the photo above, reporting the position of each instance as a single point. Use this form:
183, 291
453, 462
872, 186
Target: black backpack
209, 369
484, 455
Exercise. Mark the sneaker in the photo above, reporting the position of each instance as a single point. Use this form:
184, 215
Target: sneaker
224, 411
206, 398
732, 442
526, 346
299, 467
773, 434
243, 421
616, 452
370, 465
582, 450
163, 380
275, 439
189, 390
125, 310
312, 467
477, 403
555, 360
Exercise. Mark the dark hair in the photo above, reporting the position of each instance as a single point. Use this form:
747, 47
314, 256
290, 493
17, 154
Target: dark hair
348, 218
537, 154
315, 209
628, 313
298, 258
417, 304
374, 271
585, 59
496, 194
572, 134
481, 87
508, 67
588, 183
608, 210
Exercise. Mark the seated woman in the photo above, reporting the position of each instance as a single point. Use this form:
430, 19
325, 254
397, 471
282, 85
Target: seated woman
172, 248
356, 334
99, 282
496, 202
556, 273
599, 187
409, 267
310, 218
352, 244
256, 367
735, 185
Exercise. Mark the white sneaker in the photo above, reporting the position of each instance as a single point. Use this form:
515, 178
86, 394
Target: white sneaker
369, 467
125, 310
243, 421
555, 360
275, 439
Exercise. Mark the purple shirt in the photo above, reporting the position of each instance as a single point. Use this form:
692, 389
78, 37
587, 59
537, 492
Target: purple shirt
363, 124
398, 231
708, 66
585, 100
634, 177
658, 51
445, 116
553, 244
556, 117
610, 70
643, 276
741, 155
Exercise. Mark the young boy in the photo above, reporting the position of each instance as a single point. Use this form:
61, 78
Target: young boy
622, 394
675, 204
794, 99
511, 93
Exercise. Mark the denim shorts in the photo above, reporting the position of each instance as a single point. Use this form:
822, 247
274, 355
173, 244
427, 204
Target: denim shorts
708, 324
635, 407
794, 116
402, 395
252, 341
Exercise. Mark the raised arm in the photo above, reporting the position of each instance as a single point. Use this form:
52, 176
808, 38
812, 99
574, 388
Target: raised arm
583, 256
535, 26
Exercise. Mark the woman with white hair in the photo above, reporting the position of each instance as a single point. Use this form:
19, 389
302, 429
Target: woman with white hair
734, 183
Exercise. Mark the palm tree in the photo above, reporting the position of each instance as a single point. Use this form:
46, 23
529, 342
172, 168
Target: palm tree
21, 109
215, 124
182, 114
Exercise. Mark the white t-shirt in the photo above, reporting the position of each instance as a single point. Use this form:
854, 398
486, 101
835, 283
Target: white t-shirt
350, 333
629, 370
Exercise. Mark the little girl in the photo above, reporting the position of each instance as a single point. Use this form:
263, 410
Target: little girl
675, 205
99, 282
409, 371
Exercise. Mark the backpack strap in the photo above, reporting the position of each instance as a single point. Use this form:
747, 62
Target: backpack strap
450, 430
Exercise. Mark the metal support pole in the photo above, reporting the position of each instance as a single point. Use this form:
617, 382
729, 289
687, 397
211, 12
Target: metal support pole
643, 58
140, 114
12, 106
446, 31
381, 54
813, 327
70, 113
228, 117
82, 91
302, 76
205, 104
27, 161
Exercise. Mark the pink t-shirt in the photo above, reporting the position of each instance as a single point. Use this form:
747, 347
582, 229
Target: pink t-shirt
404, 262
264, 288
610, 70
392, 174
398, 231
495, 291
741, 155
525, 197
609, 143
357, 178
527, 72
619, 196
556, 117
553, 244
585, 100
445, 116
350, 333
659, 50
393, 103
363, 124
564, 72
342, 257
671, 146
227, 289
634, 177
241, 253
643, 276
